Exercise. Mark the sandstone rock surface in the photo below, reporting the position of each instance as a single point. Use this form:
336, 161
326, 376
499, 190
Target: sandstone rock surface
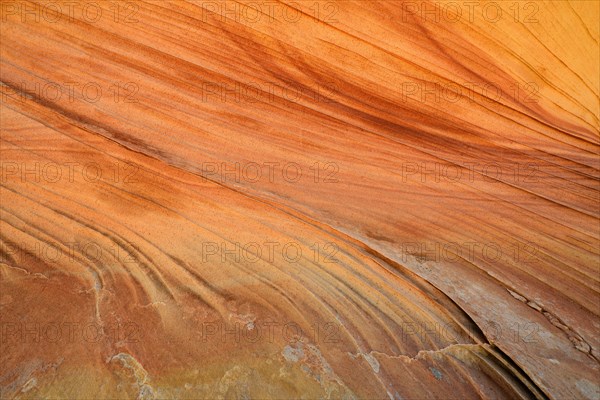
349, 199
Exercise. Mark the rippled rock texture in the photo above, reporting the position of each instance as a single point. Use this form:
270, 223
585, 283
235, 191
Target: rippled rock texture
311, 199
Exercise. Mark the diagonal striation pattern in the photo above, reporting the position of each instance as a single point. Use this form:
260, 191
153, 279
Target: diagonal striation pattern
350, 199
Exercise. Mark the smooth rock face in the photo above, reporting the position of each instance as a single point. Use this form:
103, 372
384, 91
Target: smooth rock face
337, 200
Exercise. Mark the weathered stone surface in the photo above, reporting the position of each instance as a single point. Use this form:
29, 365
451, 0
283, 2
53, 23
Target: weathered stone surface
343, 199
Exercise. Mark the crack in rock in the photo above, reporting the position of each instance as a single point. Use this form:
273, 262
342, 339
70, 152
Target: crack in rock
578, 342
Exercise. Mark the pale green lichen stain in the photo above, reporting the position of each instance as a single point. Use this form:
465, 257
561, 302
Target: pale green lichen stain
436, 372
